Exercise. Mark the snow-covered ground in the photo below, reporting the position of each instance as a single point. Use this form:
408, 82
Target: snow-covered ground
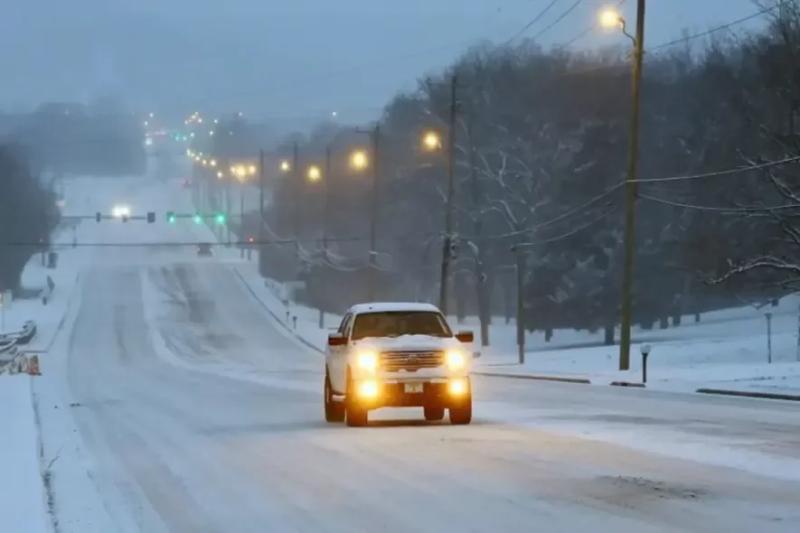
726, 349
177, 396
23, 499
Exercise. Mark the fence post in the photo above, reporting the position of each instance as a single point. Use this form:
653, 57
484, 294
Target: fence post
768, 316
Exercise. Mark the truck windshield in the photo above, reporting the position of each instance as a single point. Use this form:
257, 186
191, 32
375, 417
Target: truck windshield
396, 323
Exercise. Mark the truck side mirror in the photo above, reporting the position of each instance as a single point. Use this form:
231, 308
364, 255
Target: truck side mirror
465, 336
337, 339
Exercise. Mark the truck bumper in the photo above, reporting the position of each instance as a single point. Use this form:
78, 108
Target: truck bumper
434, 393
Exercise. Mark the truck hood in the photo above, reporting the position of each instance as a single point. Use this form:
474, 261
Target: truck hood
412, 343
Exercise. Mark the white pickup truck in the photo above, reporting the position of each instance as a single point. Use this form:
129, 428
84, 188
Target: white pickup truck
397, 355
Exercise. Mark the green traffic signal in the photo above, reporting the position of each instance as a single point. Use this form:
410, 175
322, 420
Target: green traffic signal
171, 218
220, 218
198, 219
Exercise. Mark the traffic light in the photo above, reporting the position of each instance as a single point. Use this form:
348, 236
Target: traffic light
171, 217
197, 219
220, 218
98, 216
151, 217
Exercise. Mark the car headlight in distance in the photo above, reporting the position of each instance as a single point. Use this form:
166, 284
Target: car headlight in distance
367, 361
119, 211
455, 360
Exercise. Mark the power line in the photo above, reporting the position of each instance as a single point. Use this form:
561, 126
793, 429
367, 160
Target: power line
531, 22
578, 37
569, 234
715, 29
576, 210
718, 209
563, 15
727, 172
584, 32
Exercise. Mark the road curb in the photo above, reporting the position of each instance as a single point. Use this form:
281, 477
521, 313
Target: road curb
581, 381
751, 394
273, 314
627, 384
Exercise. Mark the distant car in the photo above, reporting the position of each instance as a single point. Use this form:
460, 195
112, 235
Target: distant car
397, 355
204, 249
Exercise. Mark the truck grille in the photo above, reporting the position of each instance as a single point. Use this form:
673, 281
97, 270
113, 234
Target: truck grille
410, 361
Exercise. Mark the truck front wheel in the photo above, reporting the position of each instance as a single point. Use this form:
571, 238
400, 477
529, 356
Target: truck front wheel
357, 415
334, 411
462, 414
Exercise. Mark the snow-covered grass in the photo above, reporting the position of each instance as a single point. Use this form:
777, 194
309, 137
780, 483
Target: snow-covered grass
726, 349
23, 501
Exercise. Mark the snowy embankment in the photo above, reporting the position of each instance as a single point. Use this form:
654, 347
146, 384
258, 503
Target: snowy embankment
23, 499
727, 349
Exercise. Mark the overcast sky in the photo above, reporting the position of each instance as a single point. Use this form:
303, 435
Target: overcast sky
290, 58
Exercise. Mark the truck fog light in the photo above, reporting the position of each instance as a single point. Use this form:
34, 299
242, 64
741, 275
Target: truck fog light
368, 389
457, 387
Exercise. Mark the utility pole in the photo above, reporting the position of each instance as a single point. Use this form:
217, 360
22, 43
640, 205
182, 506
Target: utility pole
296, 189
373, 224
520, 271
228, 208
630, 193
261, 184
326, 210
242, 237
447, 242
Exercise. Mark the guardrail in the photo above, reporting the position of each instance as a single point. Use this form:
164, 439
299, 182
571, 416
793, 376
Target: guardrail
23, 336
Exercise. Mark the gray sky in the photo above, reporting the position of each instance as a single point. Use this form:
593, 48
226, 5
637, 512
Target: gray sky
281, 59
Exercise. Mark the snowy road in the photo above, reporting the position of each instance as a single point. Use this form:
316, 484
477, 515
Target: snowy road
199, 414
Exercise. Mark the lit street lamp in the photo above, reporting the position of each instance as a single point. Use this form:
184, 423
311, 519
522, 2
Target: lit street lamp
314, 173
285, 166
610, 18
359, 160
431, 141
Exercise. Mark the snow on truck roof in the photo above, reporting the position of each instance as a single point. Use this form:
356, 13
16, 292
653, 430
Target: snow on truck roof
383, 307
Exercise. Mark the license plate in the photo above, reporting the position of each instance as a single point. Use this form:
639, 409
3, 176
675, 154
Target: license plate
413, 388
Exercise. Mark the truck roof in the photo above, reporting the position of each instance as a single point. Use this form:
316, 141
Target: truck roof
383, 307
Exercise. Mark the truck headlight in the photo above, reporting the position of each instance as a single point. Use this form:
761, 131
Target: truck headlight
367, 362
455, 360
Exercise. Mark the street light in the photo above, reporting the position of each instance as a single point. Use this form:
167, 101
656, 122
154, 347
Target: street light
251, 170
220, 175
610, 18
314, 173
431, 141
359, 160
286, 166
213, 162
